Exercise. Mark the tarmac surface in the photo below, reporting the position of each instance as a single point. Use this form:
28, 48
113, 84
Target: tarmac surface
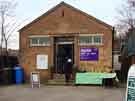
61, 93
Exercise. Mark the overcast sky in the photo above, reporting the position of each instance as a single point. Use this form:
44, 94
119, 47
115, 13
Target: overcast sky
105, 10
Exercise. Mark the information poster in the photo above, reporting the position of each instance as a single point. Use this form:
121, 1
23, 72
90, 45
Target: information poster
42, 61
89, 54
35, 79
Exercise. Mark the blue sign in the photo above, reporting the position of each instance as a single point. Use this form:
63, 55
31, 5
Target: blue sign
89, 54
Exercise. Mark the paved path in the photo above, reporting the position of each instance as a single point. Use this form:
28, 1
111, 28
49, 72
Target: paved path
61, 93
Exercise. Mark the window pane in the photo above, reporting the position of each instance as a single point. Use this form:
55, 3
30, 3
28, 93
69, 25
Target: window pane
85, 39
90, 39
43, 40
39, 41
34, 41
97, 39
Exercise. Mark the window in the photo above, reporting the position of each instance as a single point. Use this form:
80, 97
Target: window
34, 40
85, 40
94, 39
97, 39
43, 40
39, 41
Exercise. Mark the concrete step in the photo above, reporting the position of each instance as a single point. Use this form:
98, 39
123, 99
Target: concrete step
59, 82
59, 79
58, 76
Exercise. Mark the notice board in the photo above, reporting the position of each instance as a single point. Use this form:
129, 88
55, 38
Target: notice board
89, 54
35, 79
42, 61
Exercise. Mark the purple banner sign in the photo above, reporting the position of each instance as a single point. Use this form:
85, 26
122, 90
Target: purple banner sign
89, 54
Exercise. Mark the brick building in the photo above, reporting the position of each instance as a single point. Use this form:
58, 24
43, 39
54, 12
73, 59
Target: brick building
65, 32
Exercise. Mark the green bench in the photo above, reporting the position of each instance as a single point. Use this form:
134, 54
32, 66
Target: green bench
93, 78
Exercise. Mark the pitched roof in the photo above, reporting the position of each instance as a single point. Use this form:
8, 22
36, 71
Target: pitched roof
69, 6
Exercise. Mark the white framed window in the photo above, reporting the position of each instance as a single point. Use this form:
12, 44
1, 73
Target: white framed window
93, 39
85, 39
39, 40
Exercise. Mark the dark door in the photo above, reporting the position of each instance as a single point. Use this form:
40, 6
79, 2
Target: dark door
63, 52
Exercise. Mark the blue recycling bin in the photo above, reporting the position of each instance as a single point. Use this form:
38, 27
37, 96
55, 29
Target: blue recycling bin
18, 75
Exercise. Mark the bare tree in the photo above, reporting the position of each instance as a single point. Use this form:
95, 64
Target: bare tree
132, 3
8, 24
126, 19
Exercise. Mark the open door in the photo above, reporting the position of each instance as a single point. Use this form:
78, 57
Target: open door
62, 53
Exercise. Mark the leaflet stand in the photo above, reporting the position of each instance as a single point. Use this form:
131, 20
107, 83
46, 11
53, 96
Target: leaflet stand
35, 79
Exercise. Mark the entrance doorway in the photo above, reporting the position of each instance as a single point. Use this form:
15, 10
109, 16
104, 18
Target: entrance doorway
63, 51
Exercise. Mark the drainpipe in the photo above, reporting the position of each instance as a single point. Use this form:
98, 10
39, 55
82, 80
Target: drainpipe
113, 33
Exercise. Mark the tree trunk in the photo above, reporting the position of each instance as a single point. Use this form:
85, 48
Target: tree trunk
2, 33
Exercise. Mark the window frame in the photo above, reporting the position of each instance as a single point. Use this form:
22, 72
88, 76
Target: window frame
91, 35
38, 39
